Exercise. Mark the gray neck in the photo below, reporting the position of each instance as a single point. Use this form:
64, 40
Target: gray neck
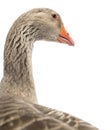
18, 79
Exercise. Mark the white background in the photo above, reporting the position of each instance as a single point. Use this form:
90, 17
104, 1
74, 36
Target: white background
76, 79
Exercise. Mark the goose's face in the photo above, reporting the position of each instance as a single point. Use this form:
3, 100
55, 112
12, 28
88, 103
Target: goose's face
49, 26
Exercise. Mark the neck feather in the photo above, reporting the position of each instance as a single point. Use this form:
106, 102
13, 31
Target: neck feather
17, 63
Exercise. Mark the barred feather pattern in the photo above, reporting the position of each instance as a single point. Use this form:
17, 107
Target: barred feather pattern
18, 114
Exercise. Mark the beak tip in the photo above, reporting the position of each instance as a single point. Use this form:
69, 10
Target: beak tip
71, 42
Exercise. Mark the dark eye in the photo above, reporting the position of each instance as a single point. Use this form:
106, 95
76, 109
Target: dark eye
54, 16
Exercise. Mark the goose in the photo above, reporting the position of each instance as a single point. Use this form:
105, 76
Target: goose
19, 109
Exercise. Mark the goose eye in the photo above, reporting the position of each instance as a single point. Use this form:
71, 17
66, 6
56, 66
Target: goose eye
54, 16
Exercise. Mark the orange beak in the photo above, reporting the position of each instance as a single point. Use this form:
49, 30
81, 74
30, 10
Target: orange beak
64, 37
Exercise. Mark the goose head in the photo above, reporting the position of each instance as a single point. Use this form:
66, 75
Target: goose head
43, 24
